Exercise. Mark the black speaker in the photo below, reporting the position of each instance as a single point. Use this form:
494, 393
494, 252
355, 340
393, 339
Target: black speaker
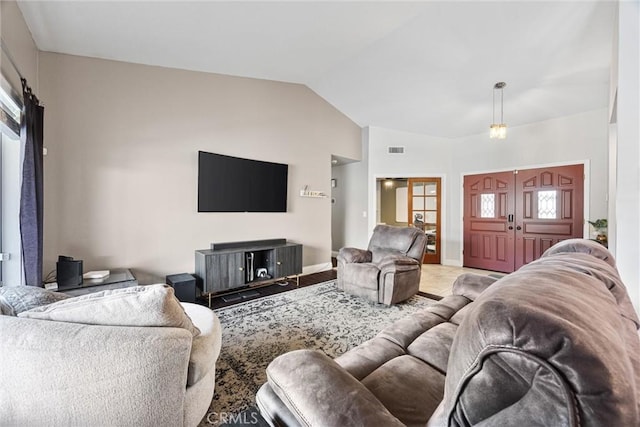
68, 272
184, 286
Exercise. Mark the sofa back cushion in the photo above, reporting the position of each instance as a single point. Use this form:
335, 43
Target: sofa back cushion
16, 299
153, 305
549, 342
583, 246
387, 240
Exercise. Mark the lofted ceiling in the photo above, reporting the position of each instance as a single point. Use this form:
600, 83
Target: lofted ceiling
425, 67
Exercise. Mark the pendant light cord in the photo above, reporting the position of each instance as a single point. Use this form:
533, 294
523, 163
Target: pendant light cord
501, 105
494, 105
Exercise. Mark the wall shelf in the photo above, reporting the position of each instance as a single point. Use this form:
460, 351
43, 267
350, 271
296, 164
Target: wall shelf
313, 194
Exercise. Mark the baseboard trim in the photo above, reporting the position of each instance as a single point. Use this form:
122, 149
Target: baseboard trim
317, 268
452, 262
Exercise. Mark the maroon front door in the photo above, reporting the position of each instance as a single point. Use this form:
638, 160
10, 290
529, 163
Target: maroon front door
488, 232
511, 218
549, 208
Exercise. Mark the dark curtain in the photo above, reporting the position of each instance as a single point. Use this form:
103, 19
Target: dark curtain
31, 199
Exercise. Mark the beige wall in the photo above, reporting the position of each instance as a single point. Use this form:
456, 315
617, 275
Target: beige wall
388, 202
121, 170
18, 40
349, 213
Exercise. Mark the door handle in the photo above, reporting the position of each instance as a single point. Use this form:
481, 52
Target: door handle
511, 227
510, 218
518, 228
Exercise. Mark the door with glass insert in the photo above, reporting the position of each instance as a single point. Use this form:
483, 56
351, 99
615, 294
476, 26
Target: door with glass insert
489, 230
549, 208
424, 213
511, 218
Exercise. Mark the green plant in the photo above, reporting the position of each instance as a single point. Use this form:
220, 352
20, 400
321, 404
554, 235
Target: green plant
599, 224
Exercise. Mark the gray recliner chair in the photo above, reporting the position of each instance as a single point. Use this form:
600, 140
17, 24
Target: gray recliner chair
387, 272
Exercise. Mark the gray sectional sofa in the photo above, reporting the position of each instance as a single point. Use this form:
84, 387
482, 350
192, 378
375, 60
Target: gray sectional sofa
554, 344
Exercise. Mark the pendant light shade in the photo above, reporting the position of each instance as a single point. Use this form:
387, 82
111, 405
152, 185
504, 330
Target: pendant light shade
498, 130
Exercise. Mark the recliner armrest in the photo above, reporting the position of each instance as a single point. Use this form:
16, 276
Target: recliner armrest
349, 255
319, 392
397, 263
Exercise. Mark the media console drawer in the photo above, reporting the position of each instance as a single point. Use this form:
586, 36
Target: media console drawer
238, 264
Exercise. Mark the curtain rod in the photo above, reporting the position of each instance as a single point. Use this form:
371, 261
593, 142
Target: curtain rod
11, 61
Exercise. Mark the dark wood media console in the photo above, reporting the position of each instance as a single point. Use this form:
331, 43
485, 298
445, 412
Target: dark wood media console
234, 265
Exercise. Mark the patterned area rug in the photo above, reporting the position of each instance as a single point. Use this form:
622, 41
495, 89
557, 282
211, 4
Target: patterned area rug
317, 317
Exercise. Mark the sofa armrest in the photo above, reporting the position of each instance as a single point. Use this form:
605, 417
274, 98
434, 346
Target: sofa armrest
206, 346
58, 373
319, 392
349, 255
471, 285
397, 263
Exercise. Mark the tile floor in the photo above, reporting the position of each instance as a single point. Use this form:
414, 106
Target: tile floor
437, 279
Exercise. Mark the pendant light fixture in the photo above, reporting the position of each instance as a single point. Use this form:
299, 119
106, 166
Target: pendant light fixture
498, 130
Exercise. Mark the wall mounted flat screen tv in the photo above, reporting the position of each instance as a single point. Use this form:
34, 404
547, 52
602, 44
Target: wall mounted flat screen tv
233, 184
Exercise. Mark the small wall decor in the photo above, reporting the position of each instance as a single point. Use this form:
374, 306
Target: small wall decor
305, 192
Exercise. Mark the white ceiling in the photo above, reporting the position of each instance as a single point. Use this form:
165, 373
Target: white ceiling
425, 67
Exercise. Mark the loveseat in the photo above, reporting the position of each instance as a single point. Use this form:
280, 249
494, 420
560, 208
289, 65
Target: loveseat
554, 344
129, 357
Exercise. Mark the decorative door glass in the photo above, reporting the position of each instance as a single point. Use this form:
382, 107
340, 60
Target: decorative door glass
425, 213
488, 205
547, 204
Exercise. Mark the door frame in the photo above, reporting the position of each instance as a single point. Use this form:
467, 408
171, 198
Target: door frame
373, 200
586, 190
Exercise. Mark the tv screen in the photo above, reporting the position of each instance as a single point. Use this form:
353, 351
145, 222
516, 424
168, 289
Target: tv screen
232, 184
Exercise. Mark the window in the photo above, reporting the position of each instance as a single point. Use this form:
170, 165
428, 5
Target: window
10, 110
547, 205
11, 154
487, 205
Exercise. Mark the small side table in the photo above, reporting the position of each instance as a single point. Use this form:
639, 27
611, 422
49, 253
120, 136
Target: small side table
118, 278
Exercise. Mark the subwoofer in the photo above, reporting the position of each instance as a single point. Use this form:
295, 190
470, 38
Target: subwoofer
68, 272
184, 286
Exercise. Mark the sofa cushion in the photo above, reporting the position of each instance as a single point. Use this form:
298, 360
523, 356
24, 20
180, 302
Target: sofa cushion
409, 388
362, 360
399, 239
154, 305
16, 299
5, 308
433, 346
337, 398
583, 246
379, 254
